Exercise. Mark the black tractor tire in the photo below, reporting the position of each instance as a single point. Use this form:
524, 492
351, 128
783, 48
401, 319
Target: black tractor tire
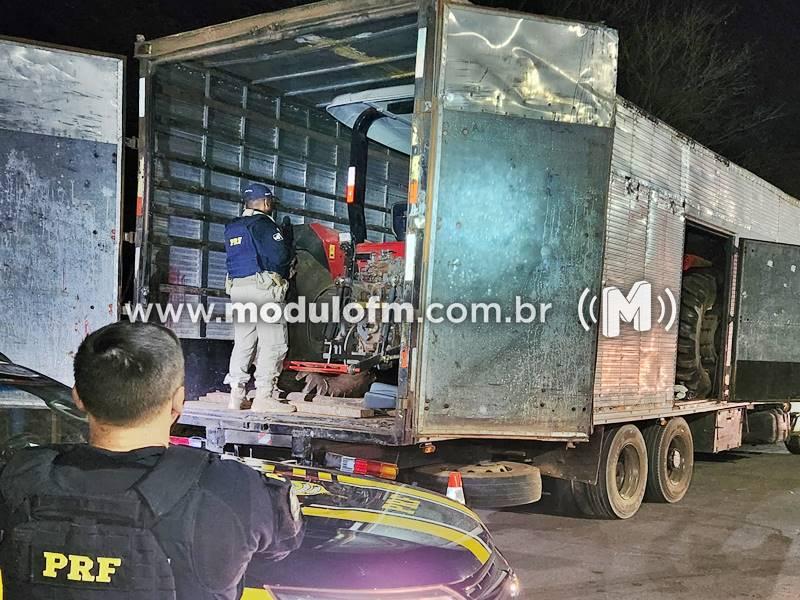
622, 479
486, 484
793, 444
670, 460
697, 353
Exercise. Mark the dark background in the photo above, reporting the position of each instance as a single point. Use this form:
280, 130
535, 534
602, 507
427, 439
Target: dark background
725, 72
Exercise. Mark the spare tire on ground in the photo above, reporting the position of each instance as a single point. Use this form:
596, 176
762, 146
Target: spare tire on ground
486, 484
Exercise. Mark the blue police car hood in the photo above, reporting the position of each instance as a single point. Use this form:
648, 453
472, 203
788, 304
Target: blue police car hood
364, 533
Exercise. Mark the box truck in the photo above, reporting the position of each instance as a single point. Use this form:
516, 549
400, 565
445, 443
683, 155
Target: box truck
434, 153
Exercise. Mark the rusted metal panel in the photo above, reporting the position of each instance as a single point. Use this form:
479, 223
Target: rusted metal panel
644, 242
540, 68
716, 192
769, 303
644, 411
250, 31
59, 92
538, 237
768, 322
718, 431
654, 164
60, 195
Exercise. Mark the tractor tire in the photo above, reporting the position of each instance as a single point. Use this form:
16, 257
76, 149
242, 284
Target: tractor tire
621, 484
486, 484
697, 333
670, 460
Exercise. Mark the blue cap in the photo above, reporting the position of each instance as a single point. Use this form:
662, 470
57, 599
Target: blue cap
256, 191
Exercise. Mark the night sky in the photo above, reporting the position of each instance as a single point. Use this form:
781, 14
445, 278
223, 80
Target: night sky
772, 27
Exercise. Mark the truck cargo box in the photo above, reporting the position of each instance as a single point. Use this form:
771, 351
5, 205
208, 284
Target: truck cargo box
527, 176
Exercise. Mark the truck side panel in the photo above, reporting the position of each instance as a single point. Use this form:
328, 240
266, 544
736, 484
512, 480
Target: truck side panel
660, 178
60, 198
515, 213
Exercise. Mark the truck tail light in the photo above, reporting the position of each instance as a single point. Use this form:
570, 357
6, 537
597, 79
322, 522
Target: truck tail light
194, 442
361, 466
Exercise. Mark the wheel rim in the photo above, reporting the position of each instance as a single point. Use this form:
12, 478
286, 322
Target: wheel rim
486, 468
677, 470
628, 474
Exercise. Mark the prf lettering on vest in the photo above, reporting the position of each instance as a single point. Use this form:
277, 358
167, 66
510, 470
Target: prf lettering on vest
235, 241
81, 568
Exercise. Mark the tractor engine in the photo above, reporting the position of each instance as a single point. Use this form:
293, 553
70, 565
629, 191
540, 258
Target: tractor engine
331, 273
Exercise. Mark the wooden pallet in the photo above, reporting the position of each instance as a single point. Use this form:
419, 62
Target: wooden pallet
331, 406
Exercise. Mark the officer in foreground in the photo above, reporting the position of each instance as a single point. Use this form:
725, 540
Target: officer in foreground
258, 262
126, 516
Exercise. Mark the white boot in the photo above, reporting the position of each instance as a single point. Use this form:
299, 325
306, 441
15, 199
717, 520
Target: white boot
266, 402
238, 395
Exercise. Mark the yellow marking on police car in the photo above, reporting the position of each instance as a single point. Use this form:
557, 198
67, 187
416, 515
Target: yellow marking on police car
407, 491
467, 541
80, 567
308, 488
235, 241
401, 504
298, 472
254, 594
325, 476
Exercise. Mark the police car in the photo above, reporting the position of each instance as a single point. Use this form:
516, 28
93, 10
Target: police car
365, 538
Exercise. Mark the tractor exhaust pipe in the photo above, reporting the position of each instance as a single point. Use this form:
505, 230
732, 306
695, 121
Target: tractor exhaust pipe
357, 174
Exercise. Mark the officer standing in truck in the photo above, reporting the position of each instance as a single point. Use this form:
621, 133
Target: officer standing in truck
258, 262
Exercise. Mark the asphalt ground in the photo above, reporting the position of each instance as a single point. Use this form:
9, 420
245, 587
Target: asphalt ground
736, 534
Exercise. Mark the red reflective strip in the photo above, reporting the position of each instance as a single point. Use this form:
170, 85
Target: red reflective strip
139, 206
315, 367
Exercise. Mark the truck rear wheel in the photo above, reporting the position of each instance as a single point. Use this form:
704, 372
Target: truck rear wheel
623, 476
793, 444
670, 460
486, 484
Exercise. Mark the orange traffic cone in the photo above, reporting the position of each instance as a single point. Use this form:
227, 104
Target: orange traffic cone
455, 488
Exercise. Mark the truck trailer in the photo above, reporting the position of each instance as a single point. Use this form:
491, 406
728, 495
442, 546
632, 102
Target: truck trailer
437, 152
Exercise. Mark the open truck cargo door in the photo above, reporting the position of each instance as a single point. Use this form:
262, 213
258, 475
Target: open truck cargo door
518, 171
767, 329
60, 200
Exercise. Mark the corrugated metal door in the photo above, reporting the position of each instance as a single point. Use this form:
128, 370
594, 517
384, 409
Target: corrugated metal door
520, 178
768, 322
60, 196
209, 135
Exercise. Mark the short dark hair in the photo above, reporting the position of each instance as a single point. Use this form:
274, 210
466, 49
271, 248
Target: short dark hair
125, 372
270, 200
